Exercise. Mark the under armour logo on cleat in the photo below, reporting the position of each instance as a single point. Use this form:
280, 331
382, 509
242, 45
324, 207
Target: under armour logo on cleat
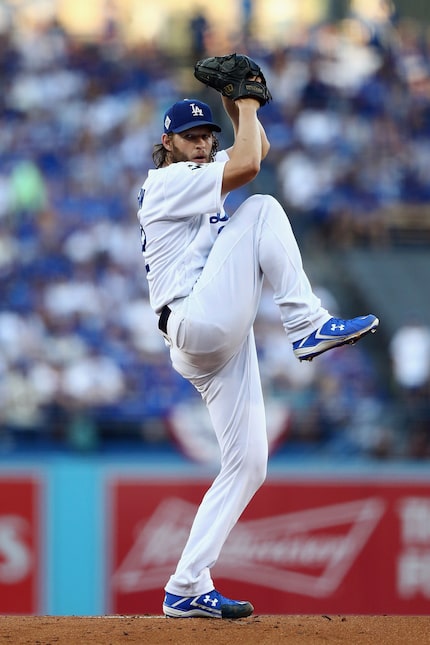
340, 327
207, 599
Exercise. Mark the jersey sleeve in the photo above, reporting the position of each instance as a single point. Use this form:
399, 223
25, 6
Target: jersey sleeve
222, 155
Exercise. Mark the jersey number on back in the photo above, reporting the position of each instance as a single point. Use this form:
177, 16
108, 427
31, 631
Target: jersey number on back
140, 197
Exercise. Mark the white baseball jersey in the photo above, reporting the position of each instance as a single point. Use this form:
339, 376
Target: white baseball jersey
181, 213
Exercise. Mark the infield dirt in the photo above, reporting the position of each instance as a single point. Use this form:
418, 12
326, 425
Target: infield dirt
256, 630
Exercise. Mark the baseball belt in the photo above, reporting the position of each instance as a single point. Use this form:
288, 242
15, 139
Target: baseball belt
164, 317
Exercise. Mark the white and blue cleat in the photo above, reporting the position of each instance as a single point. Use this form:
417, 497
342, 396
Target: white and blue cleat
208, 605
334, 333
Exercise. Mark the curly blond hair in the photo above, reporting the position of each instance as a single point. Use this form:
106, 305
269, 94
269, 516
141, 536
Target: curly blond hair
160, 153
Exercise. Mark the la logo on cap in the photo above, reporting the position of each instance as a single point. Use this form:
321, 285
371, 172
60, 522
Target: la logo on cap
196, 110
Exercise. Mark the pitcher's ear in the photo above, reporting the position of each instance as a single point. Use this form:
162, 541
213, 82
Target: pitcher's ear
166, 140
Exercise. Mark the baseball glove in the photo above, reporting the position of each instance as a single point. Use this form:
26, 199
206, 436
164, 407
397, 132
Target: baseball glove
231, 76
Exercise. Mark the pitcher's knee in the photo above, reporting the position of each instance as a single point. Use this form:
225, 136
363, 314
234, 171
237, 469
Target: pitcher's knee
260, 201
266, 205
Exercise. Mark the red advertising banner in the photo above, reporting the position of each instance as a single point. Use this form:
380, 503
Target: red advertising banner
300, 547
20, 545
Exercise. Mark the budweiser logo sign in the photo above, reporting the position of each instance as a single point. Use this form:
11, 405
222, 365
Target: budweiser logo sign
307, 552
15, 555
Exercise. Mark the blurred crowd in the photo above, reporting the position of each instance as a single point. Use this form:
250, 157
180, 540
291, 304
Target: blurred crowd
82, 365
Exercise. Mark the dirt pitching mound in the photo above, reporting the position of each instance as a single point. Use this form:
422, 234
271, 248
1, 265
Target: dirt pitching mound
260, 630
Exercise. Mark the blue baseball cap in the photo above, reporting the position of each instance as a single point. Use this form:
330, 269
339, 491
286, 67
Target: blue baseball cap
186, 114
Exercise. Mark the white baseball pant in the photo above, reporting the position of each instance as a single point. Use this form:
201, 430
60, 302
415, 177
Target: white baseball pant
213, 346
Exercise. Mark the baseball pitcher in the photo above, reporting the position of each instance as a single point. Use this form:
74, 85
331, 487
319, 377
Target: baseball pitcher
205, 272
